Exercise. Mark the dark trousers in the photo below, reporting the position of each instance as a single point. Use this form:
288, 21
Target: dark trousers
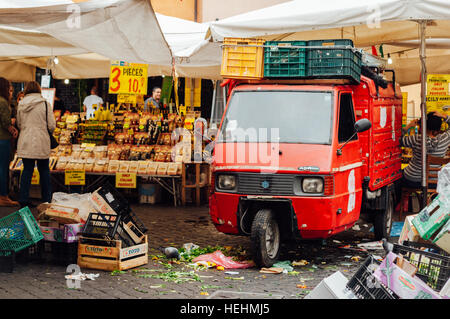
27, 174
5, 150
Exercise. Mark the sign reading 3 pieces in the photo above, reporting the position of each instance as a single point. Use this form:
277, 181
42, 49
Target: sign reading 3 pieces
128, 78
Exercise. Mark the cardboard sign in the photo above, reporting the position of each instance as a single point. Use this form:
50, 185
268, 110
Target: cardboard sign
75, 177
125, 180
438, 93
400, 282
128, 78
130, 98
438, 84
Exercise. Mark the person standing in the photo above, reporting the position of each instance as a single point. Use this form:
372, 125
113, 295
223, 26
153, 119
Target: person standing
153, 101
7, 131
35, 121
91, 103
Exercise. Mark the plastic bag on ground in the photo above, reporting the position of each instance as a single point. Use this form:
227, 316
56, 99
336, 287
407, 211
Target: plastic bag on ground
220, 259
80, 201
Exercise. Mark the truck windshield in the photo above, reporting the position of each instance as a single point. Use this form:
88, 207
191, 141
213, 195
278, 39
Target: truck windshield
278, 116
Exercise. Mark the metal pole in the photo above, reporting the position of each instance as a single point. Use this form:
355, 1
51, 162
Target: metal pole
423, 108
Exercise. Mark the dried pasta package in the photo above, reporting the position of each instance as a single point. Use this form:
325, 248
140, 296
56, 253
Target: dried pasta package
71, 164
134, 166
87, 153
79, 165
113, 152
89, 165
100, 166
113, 166
76, 151
61, 164
124, 166
162, 169
172, 169
100, 152
143, 166
152, 168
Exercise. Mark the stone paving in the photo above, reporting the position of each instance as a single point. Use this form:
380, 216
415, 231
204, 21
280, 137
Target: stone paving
171, 226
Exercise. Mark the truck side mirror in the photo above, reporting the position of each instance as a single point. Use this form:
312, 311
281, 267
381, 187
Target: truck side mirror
360, 126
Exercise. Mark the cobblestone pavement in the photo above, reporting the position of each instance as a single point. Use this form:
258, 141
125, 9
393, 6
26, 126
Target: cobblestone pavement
170, 226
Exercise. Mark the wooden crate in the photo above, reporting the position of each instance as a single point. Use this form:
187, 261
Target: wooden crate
109, 255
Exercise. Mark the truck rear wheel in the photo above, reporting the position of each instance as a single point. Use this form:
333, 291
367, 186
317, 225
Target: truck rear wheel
265, 237
382, 223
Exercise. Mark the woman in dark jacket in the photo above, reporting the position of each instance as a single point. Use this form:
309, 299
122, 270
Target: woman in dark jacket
7, 131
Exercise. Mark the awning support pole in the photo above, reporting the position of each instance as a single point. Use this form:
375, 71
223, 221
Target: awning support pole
423, 109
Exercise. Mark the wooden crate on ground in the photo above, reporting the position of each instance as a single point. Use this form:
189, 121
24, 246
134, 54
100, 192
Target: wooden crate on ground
95, 253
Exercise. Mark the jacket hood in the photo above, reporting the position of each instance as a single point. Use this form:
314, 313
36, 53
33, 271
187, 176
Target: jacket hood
30, 101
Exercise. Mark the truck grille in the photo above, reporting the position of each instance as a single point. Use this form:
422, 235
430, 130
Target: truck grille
265, 184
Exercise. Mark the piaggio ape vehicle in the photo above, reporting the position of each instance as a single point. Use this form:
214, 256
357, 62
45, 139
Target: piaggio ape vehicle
305, 159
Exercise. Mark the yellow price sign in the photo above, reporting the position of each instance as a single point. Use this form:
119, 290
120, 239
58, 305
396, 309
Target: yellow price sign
125, 180
127, 98
438, 84
128, 78
438, 103
75, 177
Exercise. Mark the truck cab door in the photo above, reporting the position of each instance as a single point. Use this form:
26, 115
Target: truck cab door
347, 166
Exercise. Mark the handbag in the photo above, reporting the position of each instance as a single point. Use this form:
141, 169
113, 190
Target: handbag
53, 143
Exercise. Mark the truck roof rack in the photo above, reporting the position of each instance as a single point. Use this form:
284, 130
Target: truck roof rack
329, 81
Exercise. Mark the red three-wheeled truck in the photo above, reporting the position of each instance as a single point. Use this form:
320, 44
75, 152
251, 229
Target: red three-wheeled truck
305, 159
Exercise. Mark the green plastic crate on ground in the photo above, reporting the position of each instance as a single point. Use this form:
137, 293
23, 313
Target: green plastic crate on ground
283, 60
326, 62
19, 230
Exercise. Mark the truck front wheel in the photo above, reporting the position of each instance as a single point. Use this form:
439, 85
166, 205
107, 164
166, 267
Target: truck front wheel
382, 223
265, 238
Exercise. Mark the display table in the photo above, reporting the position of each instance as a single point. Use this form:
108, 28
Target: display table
94, 180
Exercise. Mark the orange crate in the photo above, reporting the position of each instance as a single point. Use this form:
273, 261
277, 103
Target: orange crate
242, 58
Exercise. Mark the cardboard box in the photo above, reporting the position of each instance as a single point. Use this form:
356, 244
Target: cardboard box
409, 232
442, 238
400, 282
63, 214
431, 218
53, 231
101, 205
445, 291
332, 287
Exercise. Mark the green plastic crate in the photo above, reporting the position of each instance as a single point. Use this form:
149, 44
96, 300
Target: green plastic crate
282, 60
19, 230
333, 63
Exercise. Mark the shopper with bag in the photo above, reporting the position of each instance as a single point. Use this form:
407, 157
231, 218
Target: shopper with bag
36, 124
7, 131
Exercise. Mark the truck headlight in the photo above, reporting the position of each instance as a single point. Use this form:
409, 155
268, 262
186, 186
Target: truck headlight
312, 185
226, 182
